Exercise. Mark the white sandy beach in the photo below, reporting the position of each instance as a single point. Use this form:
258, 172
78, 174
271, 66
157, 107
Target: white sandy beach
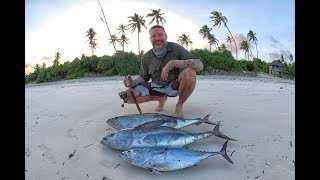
70, 116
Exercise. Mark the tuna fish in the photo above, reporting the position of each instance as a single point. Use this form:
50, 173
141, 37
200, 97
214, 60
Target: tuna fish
159, 136
157, 159
134, 120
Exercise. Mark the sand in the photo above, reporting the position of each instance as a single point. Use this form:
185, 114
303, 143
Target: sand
69, 117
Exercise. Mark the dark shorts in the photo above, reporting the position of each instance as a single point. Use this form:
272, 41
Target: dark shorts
148, 88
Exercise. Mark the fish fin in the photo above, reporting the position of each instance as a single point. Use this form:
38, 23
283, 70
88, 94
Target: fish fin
206, 120
154, 171
223, 152
217, 133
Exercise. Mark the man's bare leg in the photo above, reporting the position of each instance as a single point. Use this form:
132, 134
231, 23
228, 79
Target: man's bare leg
187, 82
142, 99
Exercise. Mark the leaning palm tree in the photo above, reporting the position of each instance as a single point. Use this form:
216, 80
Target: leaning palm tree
123, 40
229, 40
91, 34
105, 21
136, 22
245, 47
156, 16
57, 57
213, 40
218, 18
184, 40
252, 37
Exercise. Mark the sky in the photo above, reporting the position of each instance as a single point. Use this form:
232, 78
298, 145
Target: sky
61, 25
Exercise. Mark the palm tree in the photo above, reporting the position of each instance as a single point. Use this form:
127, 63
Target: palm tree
57, 57
282, 58
222, 47
91, 34
205, 32
252, 37
184, 40
105, 21
290, 57
122, 28
43, 65
229, 40
213, 40
217, 18
245, 47
113, 39
123, 40
136, 22
156, 16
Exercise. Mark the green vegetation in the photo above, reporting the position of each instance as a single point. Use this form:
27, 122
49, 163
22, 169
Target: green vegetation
124, 63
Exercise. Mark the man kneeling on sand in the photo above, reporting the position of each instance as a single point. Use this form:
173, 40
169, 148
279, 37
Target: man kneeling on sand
172, 70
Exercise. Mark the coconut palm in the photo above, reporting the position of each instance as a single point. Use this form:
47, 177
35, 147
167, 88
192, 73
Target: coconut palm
122, 28
245, 47
113, 39
218, 18
43, 65
91, 34
213, 40
57, 57
290, 57
156, 16
136, 22
123, 40
229, 40
252, 37
222, 47
205, 32
184, 40
105, 21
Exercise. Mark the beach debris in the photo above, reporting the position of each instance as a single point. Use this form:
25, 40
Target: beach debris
117, 165
134, 120
71, 155
232, 152
158, 159
63, 177
160, 136
58, 172
87, 145
267, 164
87, 175
290, 143
257, 177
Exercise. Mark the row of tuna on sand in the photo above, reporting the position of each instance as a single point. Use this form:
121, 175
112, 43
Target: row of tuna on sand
155, 141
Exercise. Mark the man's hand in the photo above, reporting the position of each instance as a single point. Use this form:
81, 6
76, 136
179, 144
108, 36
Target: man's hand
165, 74
127, 81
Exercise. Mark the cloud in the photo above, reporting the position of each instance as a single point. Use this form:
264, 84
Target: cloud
275, 43
46, 58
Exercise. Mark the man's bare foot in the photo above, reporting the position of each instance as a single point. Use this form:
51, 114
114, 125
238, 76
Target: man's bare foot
178, 111
161, 104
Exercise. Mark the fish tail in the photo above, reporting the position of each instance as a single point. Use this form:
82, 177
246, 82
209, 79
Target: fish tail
223, 152
217, 133
206, 120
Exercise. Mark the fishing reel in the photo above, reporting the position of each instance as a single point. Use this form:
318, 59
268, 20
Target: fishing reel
124, 97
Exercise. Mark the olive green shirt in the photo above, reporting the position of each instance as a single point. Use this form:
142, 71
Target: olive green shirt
151, 66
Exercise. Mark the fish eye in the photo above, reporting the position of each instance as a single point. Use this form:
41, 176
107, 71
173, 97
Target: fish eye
112, 134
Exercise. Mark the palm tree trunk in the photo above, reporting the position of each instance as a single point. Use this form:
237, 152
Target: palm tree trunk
107, 26
138, 44
234, 42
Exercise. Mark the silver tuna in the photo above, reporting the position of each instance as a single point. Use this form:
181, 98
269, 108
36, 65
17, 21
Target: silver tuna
134, 120
168, 159
159, 136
